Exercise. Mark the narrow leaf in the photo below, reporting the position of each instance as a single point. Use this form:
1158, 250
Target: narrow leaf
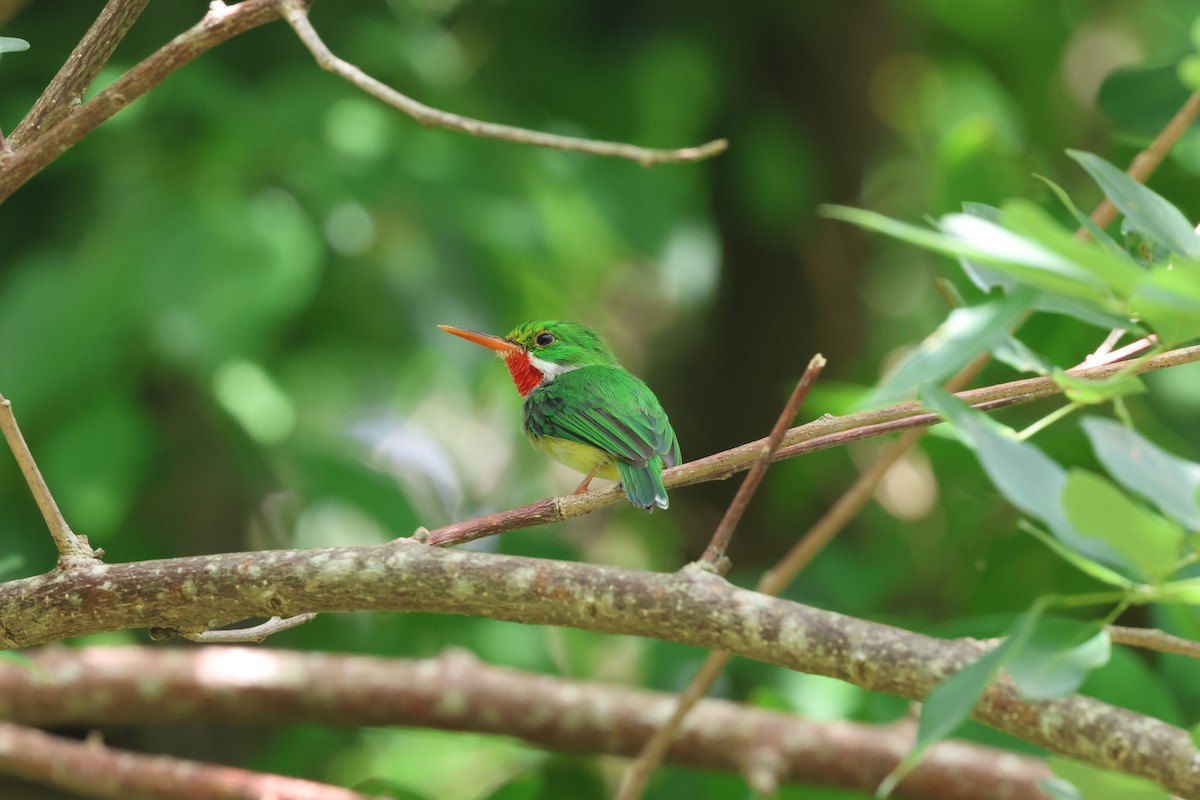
1012, 351
1149, 211
10, 44
1058, 657
951, 701
1097, 508
1090, 391
1169, 300
1170, 482
1095, 231
1116, 272
1084, 565
965, 333
1026, 476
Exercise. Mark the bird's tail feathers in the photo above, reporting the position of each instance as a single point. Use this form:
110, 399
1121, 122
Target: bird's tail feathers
643, 485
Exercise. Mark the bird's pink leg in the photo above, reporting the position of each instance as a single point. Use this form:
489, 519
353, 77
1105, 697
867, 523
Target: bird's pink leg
583, 487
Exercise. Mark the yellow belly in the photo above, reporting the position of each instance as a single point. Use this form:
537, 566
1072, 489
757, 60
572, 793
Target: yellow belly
579, 457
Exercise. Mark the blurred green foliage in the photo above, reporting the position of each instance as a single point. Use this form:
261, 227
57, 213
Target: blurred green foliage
217, 313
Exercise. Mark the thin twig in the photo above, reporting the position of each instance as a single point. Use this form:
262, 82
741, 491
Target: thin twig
220, 24
72, 549
255, 634
65, 92
714, 555
1153, 639
1147, 161
828, 431
296, 14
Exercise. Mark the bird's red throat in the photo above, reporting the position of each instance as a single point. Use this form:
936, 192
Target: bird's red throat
524, 374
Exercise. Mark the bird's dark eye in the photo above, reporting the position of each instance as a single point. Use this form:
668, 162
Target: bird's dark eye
544, 339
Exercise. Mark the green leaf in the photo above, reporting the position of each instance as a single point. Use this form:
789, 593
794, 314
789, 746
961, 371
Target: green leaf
951, 701
1100, 784
1083, 311
1170, 482
1116, 271
1058, 657
1095, 231
1149, 211
10, 44
977, 239
1097, 508
1090, 391
1012, 351
1083, 564
984, 277
1026, 476
964, 334
1169, 299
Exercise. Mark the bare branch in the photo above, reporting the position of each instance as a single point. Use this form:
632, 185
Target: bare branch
1154, 639
828, 431
72, 550
90, 769
691, 607
66, 90
106, 686
218, 25
715, 554
256, 634
296, 14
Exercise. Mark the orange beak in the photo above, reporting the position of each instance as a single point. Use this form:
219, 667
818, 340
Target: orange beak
503, 346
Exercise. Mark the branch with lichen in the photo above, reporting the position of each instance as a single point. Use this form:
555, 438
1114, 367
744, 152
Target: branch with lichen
106, 686
692, 606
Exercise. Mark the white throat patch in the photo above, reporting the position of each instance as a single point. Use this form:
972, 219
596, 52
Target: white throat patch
549, 370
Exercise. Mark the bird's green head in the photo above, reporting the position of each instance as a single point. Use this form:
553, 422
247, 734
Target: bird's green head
538, 352
566, 344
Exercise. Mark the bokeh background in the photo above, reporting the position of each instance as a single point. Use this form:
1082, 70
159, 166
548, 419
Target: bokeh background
217, 312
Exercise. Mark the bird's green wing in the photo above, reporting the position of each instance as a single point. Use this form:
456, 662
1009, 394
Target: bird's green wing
605, 407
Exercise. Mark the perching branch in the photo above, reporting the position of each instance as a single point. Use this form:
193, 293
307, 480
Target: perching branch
65, 92
828, 431
296, 14
91, 769
72, 550
106, 686
691, 607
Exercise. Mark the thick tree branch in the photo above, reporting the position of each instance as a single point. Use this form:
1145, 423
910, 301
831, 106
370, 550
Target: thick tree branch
106, 686
296, 13
66, 90
828, 431
90, 769
692, 607
72, 550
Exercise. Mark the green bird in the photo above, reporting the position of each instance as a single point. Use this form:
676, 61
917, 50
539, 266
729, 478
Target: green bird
584, 409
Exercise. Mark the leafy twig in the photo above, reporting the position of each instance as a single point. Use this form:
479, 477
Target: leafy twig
715, 553
72, 550
296, 13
